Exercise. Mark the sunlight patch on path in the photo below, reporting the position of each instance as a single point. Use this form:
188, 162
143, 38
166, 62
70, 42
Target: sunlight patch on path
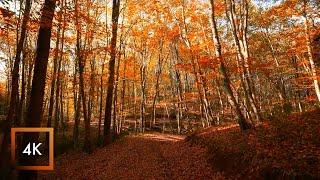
163, 137
214, 129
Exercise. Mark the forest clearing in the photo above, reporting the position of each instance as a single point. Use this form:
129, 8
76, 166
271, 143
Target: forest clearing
149, 89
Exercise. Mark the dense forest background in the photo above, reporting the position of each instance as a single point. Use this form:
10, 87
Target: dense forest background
96, 69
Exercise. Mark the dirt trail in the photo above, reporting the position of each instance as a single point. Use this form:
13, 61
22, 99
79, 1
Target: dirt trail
149, 156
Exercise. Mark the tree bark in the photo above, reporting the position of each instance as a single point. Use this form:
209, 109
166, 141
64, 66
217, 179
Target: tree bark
108, 107
158, 75
33, 118
101, 101
243, 123
239, 31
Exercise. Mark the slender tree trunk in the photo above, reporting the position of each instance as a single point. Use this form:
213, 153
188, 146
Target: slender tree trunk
81, 64
115, 97
123, 92
158, 75
134, 99
14, 96
239, 30
61, 106
313, 67
54, 76
101, 101
143, 96
77, 110
23, 91
30, 75
180, 99
244, 124
57, 112
108, 107
297, 92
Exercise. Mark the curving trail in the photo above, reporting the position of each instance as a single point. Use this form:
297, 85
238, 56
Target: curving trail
148, 156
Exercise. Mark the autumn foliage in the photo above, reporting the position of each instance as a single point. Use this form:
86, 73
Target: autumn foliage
96, 71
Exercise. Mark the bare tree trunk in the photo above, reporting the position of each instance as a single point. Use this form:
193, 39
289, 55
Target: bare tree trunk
38, 83
180, 99
134, 99
123, 92
313, 67
23, 91
81, 64
54, 77
239, 31
297, 92
77, 110
143, 96
30, 75
158, 75
114, 101
101, 101
101, 78
57, 112
108, 107
61, 106
115, 95
244, 124
14, 96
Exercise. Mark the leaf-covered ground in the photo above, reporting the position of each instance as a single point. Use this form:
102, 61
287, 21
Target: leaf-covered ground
149, 156
282, 148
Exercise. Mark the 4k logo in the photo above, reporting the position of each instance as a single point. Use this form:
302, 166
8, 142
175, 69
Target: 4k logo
32, 148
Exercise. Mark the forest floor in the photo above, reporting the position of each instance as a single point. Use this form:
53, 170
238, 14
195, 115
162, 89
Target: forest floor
147, 156
281, 148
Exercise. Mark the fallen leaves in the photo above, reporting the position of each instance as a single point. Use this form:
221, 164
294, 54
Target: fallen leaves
150, 156
282, 148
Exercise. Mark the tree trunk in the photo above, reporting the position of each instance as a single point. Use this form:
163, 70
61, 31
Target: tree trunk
33, 118
23, 91
108, 107
54, 76
244, 124
115, 122
57, 112
77, 110
239, 31
101, 101
143, 96
158, 75
81, 64
123, 92
14, 97
313, 67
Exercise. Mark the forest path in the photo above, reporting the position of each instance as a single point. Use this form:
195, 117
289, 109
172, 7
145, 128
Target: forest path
148, 156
